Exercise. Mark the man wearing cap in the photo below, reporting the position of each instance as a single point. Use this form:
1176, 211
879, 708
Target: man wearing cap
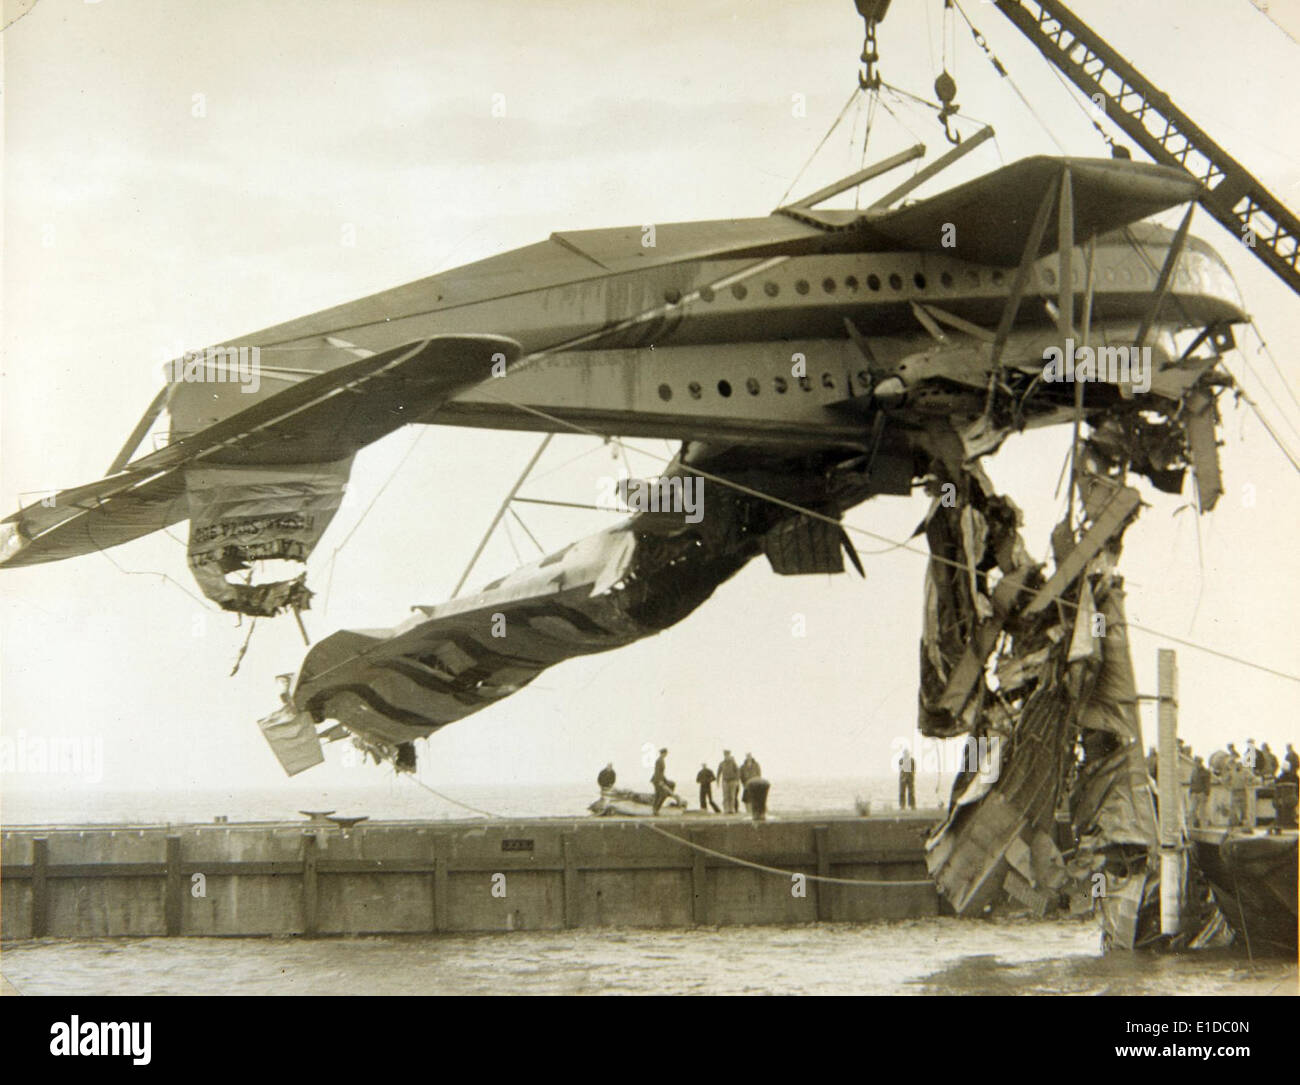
729, 774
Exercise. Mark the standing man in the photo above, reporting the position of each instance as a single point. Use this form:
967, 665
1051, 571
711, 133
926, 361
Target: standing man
906, 781
605, 779
705, 779
662, 785
729, 774
756, 797
749, 770
1251, 757
1267, 764
1199, 791
1291, 763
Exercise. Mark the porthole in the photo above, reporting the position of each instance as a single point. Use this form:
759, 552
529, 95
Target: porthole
805, 384
919, 279
665, 393
828, 284
780, 384
896, 282
771, 289
828, 381
997, 278
672, 297
706, 293
873, 282
801, 286
751, 386
695, 389
851, 283
972, 277
738, 291
946, 278
724, 389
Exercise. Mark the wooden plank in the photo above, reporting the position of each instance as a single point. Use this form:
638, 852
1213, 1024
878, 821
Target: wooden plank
106, 870
572, 902
441, 908
821, 846
244, 867
310, 888
40, 888
174, 899
699, 889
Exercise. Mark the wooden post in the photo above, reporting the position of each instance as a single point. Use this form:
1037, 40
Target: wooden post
174, 893
572, 903
1170, 790
40, 887
822, 846
699, 889
310, 898
441, 907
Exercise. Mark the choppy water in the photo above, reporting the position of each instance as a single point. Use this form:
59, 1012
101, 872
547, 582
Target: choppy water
911, 957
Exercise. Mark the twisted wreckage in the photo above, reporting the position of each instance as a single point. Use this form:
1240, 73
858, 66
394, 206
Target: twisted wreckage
807, 361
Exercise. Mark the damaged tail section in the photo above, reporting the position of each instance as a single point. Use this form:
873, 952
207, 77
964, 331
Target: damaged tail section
242, 515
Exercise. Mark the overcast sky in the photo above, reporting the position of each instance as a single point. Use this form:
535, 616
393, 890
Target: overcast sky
181, 173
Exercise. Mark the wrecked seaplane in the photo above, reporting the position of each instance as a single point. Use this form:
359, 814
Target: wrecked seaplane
806, 362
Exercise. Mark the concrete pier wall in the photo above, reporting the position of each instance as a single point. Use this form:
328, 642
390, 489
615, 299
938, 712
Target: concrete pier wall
407, 877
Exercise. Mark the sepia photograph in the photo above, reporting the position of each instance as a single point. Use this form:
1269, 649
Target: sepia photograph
707, 498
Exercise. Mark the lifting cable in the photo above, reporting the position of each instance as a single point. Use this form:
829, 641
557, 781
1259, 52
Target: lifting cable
864, 882
902, 545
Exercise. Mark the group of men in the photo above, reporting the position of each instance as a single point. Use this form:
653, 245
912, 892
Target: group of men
740, 783
1256, 767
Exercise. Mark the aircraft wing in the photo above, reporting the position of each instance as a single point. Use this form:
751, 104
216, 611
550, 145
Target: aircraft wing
994, 214
319, 422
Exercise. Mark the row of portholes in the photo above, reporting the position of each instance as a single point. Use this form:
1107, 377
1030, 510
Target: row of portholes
874, 283
780, 385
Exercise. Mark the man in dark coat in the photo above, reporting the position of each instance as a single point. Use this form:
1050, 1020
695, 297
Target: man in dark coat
705, 779
662, 785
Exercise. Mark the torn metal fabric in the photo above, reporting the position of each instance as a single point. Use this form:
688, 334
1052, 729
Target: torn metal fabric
292, 737
240, 515
979, 570
1062, 667
449, 661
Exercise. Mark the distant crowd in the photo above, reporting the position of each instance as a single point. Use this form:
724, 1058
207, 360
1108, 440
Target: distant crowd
1256, 766
740, 783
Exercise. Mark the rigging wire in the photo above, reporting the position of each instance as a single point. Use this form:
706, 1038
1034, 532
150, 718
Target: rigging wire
1262, 7
898, 544
737, 860
1268, 353
329, 583
520, 521
834, 124
1240, 390
1002, 71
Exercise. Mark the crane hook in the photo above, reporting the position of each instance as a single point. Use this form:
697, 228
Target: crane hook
945, 89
